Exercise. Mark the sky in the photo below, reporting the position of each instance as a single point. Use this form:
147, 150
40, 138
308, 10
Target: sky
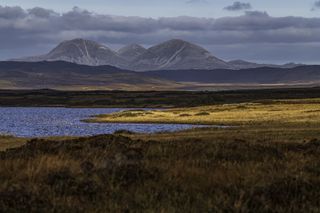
264, 31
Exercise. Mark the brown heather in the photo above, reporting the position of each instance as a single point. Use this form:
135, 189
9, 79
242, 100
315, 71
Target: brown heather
200, 171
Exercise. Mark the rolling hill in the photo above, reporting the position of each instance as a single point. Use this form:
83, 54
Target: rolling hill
65, 75
306, 74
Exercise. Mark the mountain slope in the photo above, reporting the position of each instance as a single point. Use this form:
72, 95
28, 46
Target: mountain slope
177, 54
84, 52
241, 64
131, 52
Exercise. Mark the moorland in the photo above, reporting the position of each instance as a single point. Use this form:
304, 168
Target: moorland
267, 160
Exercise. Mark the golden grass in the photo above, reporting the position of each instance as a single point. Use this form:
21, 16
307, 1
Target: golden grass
8, 142
306, 111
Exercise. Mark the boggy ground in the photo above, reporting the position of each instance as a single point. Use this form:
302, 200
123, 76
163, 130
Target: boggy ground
201, 170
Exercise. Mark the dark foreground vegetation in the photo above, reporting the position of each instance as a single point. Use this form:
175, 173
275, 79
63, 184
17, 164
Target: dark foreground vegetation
146, 98
220, 171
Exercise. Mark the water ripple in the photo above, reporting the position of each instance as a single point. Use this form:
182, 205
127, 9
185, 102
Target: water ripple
41, 122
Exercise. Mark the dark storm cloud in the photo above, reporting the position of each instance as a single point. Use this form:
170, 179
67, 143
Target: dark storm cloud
236, 6
42, 28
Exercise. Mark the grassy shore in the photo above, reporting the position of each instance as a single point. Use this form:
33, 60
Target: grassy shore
272, 113
9, 142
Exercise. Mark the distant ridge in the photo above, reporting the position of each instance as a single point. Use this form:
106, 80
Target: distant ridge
306, 74
241, 64
175, 54
70, 76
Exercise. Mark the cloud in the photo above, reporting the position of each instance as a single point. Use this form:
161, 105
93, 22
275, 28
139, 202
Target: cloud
316, 5
11, 12
43, 13
197, 2
236, 6
23, 31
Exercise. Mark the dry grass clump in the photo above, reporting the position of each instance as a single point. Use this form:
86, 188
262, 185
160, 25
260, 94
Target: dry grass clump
184, 115
202, 114
111, 173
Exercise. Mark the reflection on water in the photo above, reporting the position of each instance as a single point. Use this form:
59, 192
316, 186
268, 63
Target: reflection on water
38, 122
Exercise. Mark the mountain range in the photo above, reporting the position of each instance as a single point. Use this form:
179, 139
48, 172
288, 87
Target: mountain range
173, 65
174, 54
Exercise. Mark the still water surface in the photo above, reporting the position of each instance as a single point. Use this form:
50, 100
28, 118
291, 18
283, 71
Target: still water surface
41, 122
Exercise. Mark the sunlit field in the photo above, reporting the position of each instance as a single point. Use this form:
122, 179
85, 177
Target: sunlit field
289, 112
7, 142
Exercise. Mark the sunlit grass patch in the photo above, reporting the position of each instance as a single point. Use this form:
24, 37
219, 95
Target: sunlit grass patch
8, 141
277, 112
